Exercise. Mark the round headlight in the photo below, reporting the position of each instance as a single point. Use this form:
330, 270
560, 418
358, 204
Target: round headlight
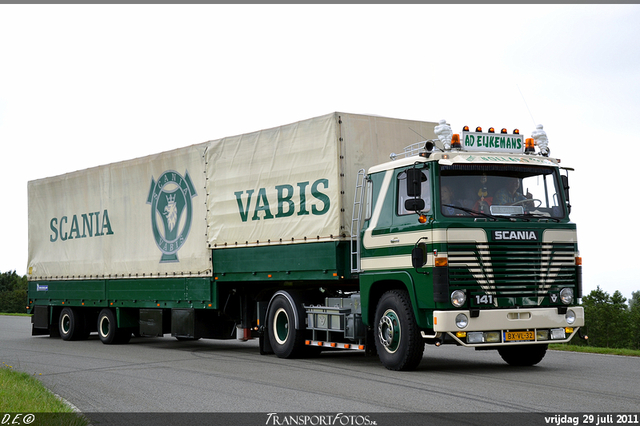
566, 295
570, 316
462, 321
458, 298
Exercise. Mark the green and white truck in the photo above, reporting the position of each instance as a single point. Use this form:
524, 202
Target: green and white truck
307, 237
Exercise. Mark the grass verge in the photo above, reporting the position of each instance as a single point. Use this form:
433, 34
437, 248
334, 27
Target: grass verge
24, 394
593, 350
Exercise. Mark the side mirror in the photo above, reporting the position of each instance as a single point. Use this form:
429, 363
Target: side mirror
419, 255
414, 182
414, 205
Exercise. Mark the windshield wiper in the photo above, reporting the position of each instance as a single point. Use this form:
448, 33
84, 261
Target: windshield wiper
474, 212
528, 216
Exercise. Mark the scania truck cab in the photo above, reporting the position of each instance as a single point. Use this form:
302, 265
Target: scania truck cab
469, 244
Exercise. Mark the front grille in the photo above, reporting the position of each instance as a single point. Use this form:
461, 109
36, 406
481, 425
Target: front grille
512, 270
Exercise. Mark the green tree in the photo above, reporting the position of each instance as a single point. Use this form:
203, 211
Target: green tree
634, 319
607, 319
13, 292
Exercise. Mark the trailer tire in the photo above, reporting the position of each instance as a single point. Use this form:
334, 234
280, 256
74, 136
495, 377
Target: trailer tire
398, 340
286, 341
523, 355
71, 325
108, 329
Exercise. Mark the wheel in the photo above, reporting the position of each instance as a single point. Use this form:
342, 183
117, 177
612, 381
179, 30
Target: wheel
108, 329
523, 355
286, 341
71, 325
398, 340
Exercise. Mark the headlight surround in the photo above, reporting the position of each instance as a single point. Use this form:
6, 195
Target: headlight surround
458, 298
566, 295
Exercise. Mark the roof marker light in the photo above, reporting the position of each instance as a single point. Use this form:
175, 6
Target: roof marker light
465, 129
516, 131
503, 130
478, 129
492, 130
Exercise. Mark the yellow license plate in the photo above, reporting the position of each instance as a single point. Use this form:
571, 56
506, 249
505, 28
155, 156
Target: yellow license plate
519, 336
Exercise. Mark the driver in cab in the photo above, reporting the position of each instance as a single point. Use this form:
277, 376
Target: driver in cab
509, 195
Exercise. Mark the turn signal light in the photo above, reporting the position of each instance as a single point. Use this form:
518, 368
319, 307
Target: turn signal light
441, 261
578, 261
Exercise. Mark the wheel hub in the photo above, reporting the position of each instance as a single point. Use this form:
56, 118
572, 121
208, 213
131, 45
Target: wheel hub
389, 331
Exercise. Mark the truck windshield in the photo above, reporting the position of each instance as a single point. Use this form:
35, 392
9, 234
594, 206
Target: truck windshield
500, 190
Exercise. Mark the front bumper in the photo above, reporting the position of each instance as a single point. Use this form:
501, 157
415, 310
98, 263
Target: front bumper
506, 321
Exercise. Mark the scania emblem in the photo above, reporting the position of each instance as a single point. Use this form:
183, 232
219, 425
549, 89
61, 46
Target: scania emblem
171, 212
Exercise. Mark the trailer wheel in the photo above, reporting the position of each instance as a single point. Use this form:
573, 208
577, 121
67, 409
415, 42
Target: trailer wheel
286, 341
398, 340
523, 355
71, 325
108, 329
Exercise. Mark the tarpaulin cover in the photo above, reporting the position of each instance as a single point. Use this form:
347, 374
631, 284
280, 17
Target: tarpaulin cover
161, 215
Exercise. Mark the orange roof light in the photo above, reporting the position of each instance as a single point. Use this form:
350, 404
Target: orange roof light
465, 129
492, 130
529, 145
455, 141
478, 129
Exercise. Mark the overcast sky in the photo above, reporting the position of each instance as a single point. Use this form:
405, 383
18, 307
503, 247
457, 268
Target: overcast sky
84, 85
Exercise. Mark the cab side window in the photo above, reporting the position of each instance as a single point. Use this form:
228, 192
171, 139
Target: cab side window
402, 194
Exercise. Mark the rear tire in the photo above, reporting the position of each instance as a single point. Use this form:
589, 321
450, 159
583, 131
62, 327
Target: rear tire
398, 341
108, 329
523, 355
286, 341
71, 325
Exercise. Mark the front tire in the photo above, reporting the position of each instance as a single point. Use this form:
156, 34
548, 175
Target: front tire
523, 355
286, 340
398, 341
108, 329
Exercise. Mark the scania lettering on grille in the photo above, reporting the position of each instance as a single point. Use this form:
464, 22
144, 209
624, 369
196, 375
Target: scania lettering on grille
515, 235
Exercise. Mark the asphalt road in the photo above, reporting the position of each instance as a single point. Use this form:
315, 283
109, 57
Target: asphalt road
165, 375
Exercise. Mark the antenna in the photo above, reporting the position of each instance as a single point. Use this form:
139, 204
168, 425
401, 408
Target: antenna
417, 133
525, 104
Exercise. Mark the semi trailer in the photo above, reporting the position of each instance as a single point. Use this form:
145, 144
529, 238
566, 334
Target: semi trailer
315, 236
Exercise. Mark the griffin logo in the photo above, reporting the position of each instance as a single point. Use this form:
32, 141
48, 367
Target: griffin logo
171, 212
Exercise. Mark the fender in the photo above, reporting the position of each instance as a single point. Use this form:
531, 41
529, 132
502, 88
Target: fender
369, 281
298, 310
